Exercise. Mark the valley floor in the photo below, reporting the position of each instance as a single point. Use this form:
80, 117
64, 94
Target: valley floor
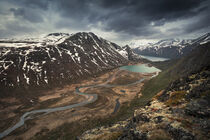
75, 120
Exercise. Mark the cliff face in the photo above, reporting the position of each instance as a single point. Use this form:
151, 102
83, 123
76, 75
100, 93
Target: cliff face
181, 111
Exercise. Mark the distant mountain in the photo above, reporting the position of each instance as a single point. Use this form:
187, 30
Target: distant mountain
172, 48
60, 57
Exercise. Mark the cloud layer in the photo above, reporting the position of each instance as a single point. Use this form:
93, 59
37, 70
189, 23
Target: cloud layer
118, 20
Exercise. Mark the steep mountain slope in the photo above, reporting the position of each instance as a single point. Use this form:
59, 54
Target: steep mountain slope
180, 111
57, 57
130, 54
172, 48
197, 60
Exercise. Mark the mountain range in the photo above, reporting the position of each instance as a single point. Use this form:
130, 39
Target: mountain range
171, 48
61, 57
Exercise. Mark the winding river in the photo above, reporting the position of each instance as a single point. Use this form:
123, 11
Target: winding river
90, 98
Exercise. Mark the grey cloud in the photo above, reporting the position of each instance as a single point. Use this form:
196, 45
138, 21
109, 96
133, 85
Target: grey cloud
28, 14
199, 24
132, 18
35, 4
16, 29
129, 16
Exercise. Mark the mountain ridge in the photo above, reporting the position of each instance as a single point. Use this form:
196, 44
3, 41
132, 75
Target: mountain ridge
172, 48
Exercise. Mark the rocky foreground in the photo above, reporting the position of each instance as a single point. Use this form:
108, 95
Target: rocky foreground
180, 112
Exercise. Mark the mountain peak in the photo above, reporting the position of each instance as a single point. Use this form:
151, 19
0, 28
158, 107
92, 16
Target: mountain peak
207, 34
126, 46
203, 39
58, 34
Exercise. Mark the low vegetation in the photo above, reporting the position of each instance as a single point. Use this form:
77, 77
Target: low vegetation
109, 136
176, 98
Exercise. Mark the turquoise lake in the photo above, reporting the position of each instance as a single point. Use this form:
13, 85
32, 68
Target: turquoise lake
143, 68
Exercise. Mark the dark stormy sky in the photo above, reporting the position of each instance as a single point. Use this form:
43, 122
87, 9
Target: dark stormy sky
121, 21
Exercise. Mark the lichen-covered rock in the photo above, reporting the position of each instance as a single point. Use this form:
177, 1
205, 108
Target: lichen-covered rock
133, 135
198, 108
179, 134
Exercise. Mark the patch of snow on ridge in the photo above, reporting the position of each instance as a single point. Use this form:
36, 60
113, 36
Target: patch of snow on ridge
27, 79
34, 42
94, 61
123, 53
165, 43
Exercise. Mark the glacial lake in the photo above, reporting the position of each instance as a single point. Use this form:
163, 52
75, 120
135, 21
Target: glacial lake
154, 59
143, 68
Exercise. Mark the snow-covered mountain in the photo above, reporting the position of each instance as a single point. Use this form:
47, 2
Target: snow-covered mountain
171, 48
202, 40
60, 57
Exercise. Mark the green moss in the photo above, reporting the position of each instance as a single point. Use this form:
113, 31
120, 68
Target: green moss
155, 85
159, 134
175, 98
192, 76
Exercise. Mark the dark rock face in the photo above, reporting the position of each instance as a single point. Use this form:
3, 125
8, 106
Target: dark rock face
179, 134
140, 117
158, 119
60, 57
198, 108
199, 90
57, 34
133, 135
